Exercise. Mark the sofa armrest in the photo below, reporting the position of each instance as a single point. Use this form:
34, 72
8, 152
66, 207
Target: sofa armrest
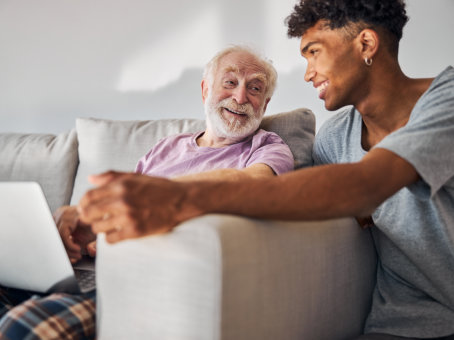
229, 277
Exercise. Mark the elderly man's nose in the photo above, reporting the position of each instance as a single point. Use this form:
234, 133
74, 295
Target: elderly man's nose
240, 95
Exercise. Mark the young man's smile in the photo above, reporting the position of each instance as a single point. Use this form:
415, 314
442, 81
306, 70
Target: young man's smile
321, 88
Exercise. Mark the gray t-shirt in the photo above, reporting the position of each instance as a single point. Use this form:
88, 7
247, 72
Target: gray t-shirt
414, 233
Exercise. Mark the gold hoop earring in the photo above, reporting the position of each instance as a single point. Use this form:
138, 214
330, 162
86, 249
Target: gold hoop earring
368, 61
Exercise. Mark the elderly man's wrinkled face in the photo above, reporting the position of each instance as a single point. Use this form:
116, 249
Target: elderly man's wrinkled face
236, 99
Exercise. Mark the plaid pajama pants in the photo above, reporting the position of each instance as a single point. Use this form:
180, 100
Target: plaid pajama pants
56, 316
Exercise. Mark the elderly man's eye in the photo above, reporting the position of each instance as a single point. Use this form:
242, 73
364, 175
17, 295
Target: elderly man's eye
229, 83
255, 89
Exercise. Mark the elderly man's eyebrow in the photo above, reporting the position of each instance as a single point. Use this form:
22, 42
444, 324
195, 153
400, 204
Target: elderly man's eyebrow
232, 68
235, 69
259, 76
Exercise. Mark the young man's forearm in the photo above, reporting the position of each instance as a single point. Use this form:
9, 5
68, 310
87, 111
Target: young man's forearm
310, 194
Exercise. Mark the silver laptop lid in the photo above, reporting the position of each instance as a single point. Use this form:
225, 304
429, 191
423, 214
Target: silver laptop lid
32, 254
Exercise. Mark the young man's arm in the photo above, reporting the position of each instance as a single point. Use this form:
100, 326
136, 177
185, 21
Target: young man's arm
141, 205
326, 191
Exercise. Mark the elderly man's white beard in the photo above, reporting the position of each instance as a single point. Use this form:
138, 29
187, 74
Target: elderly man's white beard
233, 127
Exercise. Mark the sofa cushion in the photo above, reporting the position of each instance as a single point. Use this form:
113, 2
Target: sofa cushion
118, 145
297, 129
50, 160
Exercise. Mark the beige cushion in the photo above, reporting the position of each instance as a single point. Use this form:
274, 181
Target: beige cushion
47, 159
118, 145
297, 129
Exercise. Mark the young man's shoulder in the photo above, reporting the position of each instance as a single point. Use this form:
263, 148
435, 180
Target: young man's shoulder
340, 122
440, 91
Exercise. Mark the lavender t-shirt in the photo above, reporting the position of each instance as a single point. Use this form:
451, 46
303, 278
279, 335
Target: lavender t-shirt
180, 155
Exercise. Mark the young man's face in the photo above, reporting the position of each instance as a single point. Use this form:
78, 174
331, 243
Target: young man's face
334, 66
236, 100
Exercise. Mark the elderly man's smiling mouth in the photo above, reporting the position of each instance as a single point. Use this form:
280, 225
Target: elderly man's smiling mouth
236, 113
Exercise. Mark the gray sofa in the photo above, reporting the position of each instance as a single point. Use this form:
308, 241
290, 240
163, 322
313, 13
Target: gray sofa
217, 276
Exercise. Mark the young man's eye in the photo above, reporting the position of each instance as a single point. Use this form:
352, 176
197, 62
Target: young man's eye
313, 51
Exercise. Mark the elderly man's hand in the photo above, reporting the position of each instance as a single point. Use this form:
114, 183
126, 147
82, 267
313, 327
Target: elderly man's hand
76, 236
129, 205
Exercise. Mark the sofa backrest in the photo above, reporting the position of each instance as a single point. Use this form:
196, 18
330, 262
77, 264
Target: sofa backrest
47, 159
118, 145
62, 163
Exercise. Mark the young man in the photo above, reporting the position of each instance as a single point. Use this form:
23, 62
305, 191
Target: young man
388, 160
236, 88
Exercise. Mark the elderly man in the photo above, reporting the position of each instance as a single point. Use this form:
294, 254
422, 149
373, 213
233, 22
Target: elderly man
236, 88
386, 158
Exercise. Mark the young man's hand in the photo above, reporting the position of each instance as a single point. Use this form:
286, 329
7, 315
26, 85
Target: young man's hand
365, 222
129, 205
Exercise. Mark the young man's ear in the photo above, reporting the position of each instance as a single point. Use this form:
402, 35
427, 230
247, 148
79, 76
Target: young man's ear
370, 41
205, 89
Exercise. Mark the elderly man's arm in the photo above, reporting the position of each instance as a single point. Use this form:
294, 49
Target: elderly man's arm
258, 170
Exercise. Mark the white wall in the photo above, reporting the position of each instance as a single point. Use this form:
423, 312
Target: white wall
138, 59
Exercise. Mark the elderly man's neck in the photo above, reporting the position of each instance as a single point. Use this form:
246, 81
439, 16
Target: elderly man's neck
209, 139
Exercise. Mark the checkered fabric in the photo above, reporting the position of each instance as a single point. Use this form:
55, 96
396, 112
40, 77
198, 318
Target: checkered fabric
57, 316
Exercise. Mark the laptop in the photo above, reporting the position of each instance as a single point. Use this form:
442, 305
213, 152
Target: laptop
32, 254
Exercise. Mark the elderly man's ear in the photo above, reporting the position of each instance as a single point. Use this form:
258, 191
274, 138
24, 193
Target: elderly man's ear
205, 89
267, 100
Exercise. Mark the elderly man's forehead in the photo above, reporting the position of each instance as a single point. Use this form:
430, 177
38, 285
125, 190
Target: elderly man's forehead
248, 65
236, 70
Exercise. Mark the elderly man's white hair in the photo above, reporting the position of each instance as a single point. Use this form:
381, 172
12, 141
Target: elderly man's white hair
270, 71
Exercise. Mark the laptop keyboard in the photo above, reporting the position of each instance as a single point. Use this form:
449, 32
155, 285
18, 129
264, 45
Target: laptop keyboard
86, 279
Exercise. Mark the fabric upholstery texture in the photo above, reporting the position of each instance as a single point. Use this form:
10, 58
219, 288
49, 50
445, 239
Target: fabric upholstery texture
297, 129
50, 160
232, 278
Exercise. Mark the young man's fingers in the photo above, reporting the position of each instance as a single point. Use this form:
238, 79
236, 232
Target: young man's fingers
120, 234
104, 178
113, 223
97, 205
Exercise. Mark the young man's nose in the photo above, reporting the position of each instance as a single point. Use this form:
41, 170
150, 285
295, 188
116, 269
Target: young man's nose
310, 73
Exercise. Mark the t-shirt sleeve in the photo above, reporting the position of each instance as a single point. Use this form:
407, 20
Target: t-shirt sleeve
336, 137
144, 161
272, 151
427, 140
140, 165
319, 153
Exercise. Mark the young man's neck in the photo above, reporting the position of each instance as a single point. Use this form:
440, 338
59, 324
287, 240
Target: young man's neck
388, 106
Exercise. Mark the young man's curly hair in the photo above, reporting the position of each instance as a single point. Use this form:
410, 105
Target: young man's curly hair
387, 16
